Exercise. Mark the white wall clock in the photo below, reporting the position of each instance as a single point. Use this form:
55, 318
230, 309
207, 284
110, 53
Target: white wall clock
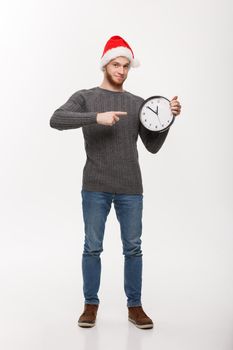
155, 113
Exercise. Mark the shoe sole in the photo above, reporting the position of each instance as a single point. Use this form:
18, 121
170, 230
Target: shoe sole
144, 326
86, 325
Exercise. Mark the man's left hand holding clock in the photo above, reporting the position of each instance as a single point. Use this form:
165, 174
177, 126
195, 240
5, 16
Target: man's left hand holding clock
175, 106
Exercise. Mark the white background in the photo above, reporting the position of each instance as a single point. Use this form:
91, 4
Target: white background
49, 50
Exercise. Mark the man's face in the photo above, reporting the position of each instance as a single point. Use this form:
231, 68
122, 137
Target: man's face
116, 70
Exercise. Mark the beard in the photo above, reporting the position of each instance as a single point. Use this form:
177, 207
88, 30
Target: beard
113, 82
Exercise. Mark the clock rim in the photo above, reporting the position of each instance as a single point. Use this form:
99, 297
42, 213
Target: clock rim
142, 105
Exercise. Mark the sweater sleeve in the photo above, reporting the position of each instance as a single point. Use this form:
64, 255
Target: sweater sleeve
71, 115
153, 141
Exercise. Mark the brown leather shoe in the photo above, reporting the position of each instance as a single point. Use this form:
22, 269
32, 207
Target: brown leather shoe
88, 317
137, 316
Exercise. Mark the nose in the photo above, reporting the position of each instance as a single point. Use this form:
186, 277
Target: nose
121, 70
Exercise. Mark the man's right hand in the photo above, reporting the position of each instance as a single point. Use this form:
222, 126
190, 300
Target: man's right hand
109, 118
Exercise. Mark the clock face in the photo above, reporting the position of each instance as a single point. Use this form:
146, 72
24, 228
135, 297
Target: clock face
155, 113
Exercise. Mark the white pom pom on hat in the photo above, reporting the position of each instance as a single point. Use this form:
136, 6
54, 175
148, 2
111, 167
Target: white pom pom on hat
116, 46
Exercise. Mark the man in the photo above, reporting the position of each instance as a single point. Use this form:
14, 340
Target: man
110, 124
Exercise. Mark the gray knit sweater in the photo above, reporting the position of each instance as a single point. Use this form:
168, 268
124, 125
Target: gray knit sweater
112, 157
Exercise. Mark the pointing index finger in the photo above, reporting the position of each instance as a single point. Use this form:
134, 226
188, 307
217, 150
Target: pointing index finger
120, 113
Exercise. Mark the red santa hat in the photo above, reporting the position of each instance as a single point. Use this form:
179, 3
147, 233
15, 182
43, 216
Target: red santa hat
115, 47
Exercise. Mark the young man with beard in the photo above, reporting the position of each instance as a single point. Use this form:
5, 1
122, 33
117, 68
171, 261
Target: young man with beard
108, 115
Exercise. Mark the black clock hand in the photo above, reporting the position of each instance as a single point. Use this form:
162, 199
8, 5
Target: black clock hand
155, 113
152, 109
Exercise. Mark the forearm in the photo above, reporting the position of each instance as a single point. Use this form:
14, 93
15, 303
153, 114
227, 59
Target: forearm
153, 141
63, 119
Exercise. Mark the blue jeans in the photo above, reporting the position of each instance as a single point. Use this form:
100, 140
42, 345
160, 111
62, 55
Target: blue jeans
96, 207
